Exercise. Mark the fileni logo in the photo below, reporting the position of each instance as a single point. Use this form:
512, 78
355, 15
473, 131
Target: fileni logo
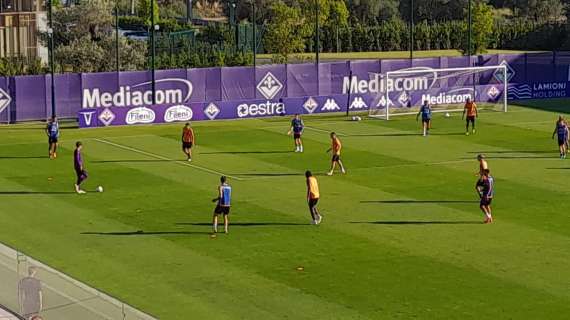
178, 113
140, 115
263, 109
139, 95
4, 100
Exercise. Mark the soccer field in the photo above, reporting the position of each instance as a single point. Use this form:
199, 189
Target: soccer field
402, 235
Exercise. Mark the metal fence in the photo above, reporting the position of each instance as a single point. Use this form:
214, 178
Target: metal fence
22, 278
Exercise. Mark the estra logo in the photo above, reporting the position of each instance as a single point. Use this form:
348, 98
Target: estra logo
259, 110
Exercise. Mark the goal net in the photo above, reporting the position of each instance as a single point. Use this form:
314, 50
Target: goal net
446, 90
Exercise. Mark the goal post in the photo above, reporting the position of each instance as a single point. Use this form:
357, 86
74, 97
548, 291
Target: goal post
402, 92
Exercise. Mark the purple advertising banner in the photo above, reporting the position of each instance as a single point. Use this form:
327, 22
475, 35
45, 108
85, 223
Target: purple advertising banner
126, 98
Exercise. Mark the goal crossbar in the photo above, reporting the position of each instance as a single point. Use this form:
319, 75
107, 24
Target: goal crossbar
419, 72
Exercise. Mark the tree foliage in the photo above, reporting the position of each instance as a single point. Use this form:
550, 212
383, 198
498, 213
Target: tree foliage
286, 32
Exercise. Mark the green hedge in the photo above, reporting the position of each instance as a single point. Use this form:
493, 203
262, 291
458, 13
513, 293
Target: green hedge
394, 36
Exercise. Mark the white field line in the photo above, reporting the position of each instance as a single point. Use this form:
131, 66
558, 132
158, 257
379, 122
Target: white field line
96, 294
156, 156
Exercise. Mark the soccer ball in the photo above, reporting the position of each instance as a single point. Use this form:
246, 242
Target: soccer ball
99, 189
447, 115
356, 118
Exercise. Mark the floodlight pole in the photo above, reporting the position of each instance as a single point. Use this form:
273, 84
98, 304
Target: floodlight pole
470, 31
412, 27
117, 37
317, 38
153, 52
51, 56
254, 33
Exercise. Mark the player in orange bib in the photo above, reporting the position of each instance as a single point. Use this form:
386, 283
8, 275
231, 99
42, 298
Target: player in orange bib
471, 111
313, 196
188, 140
335, 148
483, 165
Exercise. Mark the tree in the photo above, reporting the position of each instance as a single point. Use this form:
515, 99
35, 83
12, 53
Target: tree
370, 10
543, 11
143, 11
286, 31
85, 40
482, 27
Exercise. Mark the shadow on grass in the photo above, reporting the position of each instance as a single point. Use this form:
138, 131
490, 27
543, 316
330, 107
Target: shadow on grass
266, 174
554, 105
416, 222
144, 233
245, 224
134, 161
418, 201
557, 168
34, 192
513, 157
513, 151
246, 152
23, 157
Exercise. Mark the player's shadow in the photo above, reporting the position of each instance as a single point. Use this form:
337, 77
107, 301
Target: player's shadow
34, 192
144, 233
23, 157
266, 174
512, 157
247, 152
397, 223
134, 161
513, 151
557, 168
418, 201
244, 224
399, 134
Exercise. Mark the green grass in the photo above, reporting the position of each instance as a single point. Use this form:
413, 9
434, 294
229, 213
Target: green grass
402, 235
384, 55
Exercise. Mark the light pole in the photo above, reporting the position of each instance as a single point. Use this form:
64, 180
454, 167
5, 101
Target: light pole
153, 52
254, 33
412, 27
470, 31
117, 37
51, 55
317, 38
188, 11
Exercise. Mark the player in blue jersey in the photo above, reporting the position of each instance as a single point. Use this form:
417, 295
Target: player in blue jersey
562, 132
79, 167
297, 128
425, 112
486, 189
52, 131
223, 204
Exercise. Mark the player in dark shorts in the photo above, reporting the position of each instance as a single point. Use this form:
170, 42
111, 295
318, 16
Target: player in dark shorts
471, 110
223, 204
79, 168
562, 132
336, 147
297, 128
52, 131
486, 189
425, 112
188, 141
313, 196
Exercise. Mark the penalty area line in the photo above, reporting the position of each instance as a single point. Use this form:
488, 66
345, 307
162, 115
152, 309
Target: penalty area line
157, 156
